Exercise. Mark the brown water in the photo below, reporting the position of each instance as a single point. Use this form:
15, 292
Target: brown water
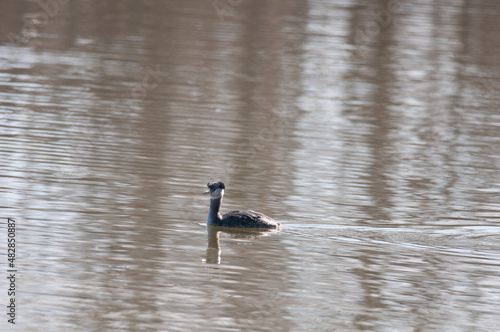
371, 130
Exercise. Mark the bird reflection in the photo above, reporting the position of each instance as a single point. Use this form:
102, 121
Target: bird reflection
213, 253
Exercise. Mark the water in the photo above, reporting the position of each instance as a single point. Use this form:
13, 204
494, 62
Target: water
370, 131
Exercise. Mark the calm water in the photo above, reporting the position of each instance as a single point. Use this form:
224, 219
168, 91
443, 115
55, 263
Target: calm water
371, 130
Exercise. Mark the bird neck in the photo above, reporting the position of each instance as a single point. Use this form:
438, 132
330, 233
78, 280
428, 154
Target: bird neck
214, 216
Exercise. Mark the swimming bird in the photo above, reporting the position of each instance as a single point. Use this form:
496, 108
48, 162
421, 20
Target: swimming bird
243, 218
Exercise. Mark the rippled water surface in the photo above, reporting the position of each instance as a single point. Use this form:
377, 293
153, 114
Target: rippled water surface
370, 130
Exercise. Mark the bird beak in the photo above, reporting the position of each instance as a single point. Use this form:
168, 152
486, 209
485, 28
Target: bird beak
206, 192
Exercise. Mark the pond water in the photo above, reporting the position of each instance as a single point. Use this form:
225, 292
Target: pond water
370, 130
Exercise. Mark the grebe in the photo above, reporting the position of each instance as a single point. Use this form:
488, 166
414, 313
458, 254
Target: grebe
246, 218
